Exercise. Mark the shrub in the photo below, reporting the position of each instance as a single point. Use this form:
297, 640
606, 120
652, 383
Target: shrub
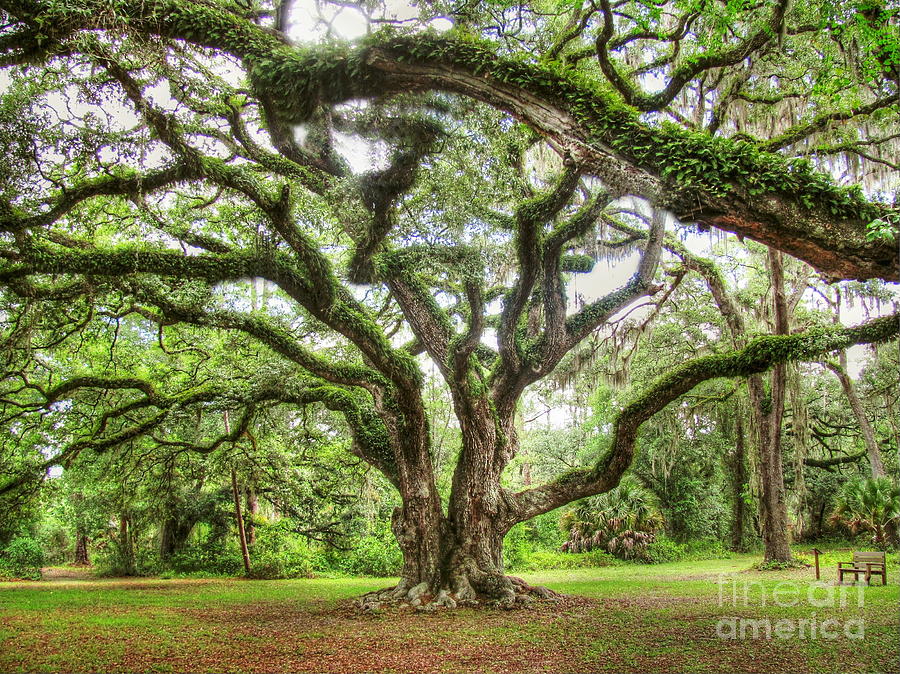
871, 505
664, 549
550, 560
695, 507
706, 548
373, 554
56, 543
623, 521
517, 551
22, 558
281, 553
209, 557
267, 567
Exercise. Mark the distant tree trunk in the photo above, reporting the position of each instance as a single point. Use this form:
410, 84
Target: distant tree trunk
868, 433
240, 521
820, 521
126, 546
768, 413
174, 533
81, 549
236, 494
739, 482
252, 503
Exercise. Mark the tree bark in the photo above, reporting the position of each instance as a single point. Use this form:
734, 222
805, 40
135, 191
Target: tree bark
252, 510
477, 509
464, 563
418, 524
82, 557
245, 554
769, 413
868, 433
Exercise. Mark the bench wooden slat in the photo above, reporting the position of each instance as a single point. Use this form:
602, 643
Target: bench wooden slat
869, 563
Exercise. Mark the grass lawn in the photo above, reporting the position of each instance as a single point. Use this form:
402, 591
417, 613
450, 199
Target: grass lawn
663, 618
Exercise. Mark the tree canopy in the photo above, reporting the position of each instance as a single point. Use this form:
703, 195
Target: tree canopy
185, 234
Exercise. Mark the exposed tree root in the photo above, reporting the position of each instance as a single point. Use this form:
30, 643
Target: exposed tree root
490, 590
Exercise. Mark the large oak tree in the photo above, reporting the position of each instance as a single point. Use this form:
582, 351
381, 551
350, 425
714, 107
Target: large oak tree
160, 153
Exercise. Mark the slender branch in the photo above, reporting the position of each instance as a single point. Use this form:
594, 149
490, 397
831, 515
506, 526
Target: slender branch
820, 123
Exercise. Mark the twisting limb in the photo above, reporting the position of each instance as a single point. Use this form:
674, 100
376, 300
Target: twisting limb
689, 69
754, 194
758, 356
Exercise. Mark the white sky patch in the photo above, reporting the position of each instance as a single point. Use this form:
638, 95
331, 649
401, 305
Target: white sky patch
310, 22
362, 155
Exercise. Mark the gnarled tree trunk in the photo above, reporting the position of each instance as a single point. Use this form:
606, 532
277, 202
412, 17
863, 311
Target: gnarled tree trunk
458, 557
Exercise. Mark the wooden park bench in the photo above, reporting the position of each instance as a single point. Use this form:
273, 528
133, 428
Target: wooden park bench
869, 563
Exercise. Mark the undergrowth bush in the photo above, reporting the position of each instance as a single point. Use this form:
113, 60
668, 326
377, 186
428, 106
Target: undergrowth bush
281, 553
376, 554
22, 558
622, 521
549, 560
664, 549
111, 562
210, 557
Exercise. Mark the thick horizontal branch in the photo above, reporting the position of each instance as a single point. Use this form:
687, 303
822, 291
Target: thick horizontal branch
344, 314
13, 219
828, 464
725, 184
800, 131
267, 331
758, 356
368, 429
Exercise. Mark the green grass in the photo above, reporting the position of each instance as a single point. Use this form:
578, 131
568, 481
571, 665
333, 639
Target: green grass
624, 618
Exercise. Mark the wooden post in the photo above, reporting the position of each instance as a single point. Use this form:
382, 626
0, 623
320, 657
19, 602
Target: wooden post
816, 552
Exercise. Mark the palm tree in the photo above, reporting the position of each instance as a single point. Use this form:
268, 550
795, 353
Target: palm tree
622, 521
871, 504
